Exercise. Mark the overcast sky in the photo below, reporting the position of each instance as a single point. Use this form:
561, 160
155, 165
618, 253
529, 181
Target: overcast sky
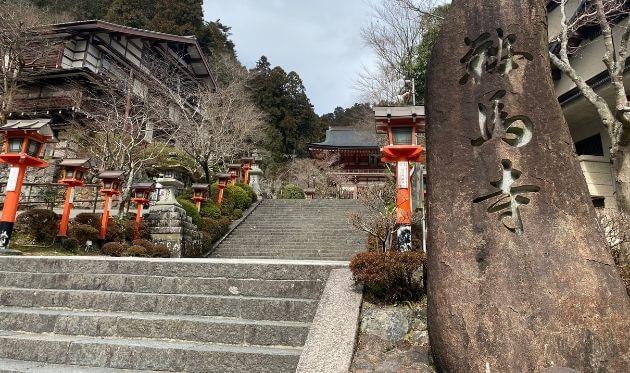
319, 39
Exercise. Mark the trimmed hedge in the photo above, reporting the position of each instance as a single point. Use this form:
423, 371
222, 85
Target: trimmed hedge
210, 210
39, 224
291, 191
389, 276
113, 248
191, 209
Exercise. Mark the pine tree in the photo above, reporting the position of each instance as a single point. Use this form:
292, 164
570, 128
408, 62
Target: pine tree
132, 13
179, 17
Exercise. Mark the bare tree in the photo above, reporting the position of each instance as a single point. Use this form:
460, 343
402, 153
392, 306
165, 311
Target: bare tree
611, 16
226, 123
394, 34
379, 219
25, 45
324, 174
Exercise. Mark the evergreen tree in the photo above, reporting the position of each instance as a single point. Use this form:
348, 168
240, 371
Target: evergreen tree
179, 17
132, 13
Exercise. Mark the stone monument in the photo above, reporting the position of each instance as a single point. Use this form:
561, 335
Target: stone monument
169, 224
519, 276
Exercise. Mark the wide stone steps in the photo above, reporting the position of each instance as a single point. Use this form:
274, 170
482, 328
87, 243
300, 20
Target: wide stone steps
296, 229
121, 314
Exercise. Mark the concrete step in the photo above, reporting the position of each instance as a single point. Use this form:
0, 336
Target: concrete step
255, 308
146, 354
147, 325
19, 366
187, 268
165, 284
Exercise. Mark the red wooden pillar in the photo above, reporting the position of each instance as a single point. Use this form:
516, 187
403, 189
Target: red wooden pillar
222, 184
234, 170
200, 194
141, 193
110, 187
72, 177
246, 165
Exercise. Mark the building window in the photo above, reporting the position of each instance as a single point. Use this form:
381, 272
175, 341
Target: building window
590, 146
373, 160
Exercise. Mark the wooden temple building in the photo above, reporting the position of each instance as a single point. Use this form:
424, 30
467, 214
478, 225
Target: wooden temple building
357, 157
88, 55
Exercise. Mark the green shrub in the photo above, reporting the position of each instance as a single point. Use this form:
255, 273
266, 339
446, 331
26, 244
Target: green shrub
242, 198
70, 244
83, 233
113, 248
159, 251
237, 214
39, 224
252, 195
291, 191
214, 228
136, 250
93, 220
144, 243
210, 210
191, 209
389, 276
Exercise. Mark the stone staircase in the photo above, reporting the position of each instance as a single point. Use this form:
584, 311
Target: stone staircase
62, 314
296, 229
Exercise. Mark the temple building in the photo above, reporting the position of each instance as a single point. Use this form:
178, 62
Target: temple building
357, 157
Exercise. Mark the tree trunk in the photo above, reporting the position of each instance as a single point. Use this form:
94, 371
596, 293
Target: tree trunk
621, 167
206, 172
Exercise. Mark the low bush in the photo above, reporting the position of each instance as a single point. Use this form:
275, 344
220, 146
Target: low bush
113, 248
93, 220
83, 233
136, 250
237, 214
70, 244
291, 191
39, 224
212, 230
210, 210
389, 276
252, 195
191, 209
159, 251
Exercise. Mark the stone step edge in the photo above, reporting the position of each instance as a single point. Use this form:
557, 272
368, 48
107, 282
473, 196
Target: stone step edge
154, 343
21, 366
322, 263
210, 296
148, 316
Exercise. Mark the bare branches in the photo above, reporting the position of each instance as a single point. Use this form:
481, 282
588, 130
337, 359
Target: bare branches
226, 122
379, 220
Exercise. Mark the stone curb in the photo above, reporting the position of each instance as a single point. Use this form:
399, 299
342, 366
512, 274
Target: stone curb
331, 340
233, 226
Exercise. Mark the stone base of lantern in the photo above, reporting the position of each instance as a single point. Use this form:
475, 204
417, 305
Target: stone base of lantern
169, 225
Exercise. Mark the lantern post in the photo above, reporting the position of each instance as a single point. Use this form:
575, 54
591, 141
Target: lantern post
23, 147
402, 124
72, 177
222, 184
200, 194
141, 193
246, 165
234, 170
110, 187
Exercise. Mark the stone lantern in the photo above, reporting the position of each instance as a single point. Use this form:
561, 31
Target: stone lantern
246, 165
111, 182
200, 194
72, 171
24, 143
234, 170
222, 184
141, 195
402, 124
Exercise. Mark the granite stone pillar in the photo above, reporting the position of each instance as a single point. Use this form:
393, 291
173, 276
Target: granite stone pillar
519, 276
170, 225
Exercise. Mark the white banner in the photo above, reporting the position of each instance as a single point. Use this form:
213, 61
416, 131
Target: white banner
402, 174
13, 178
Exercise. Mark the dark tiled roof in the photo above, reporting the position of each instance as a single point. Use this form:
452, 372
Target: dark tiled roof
349, 137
